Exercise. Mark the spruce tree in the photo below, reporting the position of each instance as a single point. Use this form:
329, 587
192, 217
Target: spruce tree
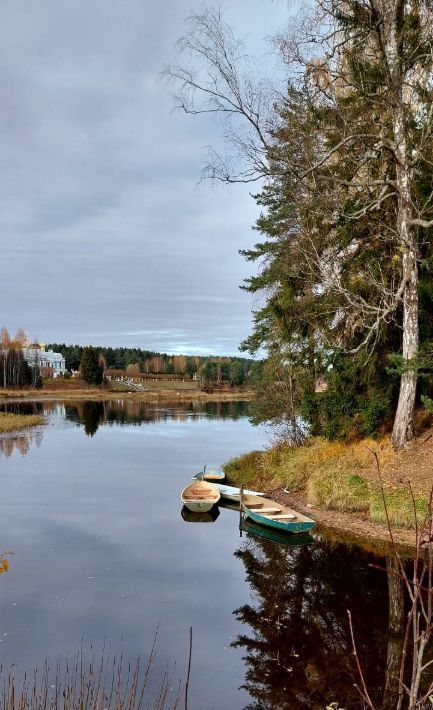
90, 368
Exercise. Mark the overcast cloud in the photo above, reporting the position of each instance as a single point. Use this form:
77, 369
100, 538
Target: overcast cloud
106, 235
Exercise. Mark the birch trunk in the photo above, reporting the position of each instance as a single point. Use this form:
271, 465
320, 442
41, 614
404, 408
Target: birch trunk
396, 618
393, 23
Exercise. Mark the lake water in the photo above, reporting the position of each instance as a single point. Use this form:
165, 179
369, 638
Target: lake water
90, 509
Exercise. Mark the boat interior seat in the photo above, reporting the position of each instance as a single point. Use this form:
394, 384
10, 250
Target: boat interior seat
267, 510
286, 516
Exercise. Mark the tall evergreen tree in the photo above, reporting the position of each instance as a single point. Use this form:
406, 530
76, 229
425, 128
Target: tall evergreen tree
346, 157
91, 369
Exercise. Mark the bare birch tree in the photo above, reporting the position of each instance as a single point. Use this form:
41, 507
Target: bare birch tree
5, 342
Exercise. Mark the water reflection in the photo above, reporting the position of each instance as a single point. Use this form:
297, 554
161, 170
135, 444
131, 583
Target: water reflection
24, 407
4, 562
120, 550
93, 414
280, 536
192, 517
298, 651
21, 443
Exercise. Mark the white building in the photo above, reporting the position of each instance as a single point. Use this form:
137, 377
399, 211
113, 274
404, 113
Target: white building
51, 363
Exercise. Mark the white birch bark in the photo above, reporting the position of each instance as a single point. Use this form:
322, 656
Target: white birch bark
393, 19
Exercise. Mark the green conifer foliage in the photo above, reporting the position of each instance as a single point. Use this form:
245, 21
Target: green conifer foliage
90, 368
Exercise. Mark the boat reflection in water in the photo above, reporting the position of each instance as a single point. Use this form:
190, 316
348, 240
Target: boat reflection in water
283, 538
208, 517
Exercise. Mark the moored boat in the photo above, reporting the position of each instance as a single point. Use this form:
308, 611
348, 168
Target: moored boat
210, 474
200, 496
233, 493
274, 515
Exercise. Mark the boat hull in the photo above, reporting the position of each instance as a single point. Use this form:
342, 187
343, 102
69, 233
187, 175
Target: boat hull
200, 496
200, 506
273, 515
232, 493
292, 527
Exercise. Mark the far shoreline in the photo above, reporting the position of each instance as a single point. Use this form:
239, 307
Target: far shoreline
94, 393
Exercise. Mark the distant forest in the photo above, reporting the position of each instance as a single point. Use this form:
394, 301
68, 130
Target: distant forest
236, 370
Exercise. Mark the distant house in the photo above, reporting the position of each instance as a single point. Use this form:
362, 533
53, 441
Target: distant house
50, 363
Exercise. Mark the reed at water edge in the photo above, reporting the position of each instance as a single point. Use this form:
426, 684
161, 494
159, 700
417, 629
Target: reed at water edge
85, 683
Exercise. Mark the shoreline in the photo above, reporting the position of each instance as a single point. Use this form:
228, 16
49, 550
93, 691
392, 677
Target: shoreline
339, 485
105, 395
354, 528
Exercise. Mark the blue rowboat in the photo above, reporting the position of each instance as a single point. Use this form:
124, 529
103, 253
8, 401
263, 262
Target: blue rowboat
274, 515
233, 493
280, 536
210, 474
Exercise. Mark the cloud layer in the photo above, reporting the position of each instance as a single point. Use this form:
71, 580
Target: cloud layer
106, 235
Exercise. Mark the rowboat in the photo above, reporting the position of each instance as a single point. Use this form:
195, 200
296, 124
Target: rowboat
274, 515
210, 474
280, 536
200, 496
209, 517
233, 493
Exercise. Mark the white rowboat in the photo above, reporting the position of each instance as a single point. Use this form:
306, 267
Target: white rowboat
200, 496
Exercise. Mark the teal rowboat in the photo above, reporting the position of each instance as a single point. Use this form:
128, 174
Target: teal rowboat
274, 515
283, 538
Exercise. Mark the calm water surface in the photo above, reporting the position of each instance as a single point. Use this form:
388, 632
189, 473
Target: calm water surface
92, 515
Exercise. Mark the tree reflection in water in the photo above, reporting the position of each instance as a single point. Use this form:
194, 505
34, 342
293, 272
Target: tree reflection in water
20, 444
298, 653
93, 413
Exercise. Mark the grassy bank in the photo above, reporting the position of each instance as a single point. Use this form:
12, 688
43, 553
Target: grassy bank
343, 476
16, 422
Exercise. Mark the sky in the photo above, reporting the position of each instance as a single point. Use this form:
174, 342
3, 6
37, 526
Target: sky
107, 235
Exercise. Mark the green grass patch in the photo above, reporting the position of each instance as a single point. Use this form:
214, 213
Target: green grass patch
337, 491
399, 506
16, 422
245, 470
280, 466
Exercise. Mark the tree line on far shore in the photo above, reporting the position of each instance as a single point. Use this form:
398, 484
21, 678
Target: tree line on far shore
134, 361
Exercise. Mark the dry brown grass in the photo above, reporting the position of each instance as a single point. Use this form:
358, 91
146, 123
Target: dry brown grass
343, 476
16, 422
76, 389
90, 683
